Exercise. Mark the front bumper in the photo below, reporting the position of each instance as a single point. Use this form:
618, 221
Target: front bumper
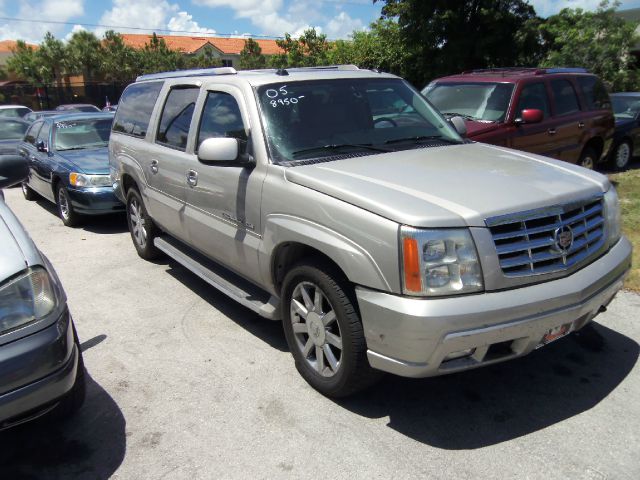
412, 337
36, 371
95, 200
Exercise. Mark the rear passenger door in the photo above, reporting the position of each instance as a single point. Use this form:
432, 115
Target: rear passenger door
167, 159
223, 201
567, 122
42, 165
27, 149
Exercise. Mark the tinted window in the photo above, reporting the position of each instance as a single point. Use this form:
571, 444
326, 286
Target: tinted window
12, 129
625, 106
176, 117
221, 118
565, 97
44, 133
595, 93
533, 96
136, 106
32, 133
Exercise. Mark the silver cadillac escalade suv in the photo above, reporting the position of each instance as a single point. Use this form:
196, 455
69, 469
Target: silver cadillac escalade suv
341, 202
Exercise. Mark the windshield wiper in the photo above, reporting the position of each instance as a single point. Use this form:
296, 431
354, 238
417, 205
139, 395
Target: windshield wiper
339, 147
466, 117
421, 138
70, 148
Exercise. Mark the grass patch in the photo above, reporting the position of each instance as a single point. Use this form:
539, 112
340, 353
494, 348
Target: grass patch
628, 186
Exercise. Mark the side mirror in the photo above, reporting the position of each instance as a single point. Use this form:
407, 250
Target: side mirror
530, 115
223, 150
459, 124
41, 146
13, 169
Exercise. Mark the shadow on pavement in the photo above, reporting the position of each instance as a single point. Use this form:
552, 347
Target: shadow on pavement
494, 404
268, 331
89, 445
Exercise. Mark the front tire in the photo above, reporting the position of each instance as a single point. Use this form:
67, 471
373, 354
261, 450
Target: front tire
588, 158
622, 156
65, 209
324, 331
143, 230
27, 192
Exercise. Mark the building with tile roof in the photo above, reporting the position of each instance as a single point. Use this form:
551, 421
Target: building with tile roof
226, 49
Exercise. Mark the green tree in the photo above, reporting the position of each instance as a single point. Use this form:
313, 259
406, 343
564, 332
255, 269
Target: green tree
308, 50
598, 40
447, 36
51, 58
251, 57
84, 55
24, 63
120, 63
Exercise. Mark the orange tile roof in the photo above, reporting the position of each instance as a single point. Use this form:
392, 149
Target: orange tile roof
6, 46
193, 44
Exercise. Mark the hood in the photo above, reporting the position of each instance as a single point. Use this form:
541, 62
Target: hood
452, 186
478, 128
15, 245
95, 160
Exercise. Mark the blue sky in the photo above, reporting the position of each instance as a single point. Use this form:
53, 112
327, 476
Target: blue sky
335, 18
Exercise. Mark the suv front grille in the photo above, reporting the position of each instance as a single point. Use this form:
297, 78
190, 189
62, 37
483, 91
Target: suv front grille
539, 241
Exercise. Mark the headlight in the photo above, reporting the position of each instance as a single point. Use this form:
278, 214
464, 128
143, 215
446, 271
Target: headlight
612, 213
84, 180
25, 298
439, 262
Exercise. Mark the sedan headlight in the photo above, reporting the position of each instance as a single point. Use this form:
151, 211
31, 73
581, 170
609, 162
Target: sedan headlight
439, 262
84, 180
612, 213
27, 297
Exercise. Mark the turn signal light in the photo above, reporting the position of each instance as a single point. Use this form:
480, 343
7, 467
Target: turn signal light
412, 277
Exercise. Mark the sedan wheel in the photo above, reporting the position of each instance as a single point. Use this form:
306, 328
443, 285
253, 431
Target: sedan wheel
27, 192
622, 156
65, 209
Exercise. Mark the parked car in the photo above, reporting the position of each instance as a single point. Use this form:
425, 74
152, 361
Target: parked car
41, 367
33, 116
78, 107
626, 140
11, 132
13, 111
564, 113
382, 245
68, 165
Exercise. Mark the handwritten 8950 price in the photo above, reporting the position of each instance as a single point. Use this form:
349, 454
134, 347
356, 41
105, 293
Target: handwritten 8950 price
281, 96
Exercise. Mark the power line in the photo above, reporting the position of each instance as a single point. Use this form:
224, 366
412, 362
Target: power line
96, 25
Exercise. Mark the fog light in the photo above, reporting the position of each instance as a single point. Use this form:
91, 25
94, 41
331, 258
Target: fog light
459, 354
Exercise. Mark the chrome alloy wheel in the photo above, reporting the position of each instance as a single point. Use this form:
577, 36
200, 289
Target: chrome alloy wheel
316, 329
137, 220
623, 154
25, 189
65, 210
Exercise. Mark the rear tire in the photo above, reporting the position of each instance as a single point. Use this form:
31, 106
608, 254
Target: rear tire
27, 192
588, 158
141, 227
621, 156
324, 331
65, 209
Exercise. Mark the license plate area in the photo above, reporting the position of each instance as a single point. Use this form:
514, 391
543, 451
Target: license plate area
555, 333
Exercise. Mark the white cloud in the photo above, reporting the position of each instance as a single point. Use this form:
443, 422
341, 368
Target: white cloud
76, 28
151, 14
183, 22
342, 25
32, 32
544, 8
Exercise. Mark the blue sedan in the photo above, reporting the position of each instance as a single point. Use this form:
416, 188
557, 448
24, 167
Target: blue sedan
69, 164
626, 140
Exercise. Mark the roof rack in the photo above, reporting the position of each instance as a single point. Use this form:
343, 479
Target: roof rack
505, 71
324, 67
199, 72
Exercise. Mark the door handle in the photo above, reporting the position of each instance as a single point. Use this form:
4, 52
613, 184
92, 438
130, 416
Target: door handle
154, 166
551, 131
192, 178
580, 124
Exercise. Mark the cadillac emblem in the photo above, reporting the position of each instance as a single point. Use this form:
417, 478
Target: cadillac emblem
563, 237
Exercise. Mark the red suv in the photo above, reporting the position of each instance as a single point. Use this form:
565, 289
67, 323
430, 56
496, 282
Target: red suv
563, 113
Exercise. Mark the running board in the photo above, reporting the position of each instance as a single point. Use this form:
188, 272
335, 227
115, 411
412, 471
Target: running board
232, 285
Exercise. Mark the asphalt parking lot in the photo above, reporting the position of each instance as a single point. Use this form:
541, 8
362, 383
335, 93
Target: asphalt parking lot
184, 383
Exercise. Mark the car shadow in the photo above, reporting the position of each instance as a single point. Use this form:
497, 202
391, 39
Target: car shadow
607, 169
89, 445
498, 403
266, 330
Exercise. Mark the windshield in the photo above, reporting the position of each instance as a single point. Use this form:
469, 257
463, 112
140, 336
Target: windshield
475, 101
79, 134
625, 107
321, 118
12, 129
17, 112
